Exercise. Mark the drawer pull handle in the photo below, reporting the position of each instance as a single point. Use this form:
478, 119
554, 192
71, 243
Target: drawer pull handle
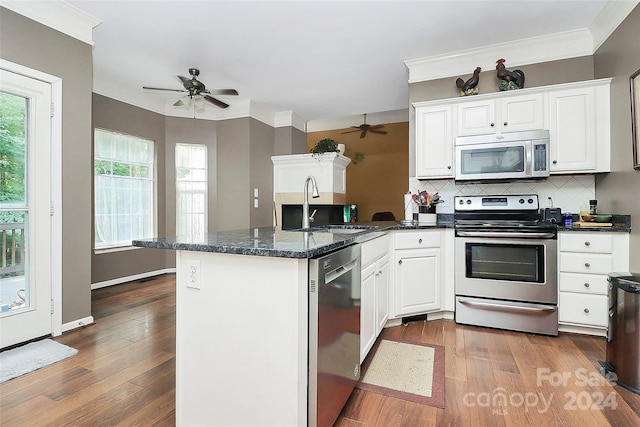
506, 123
555, 162
400, 262
419, 240
586, 264
586, 285
587, 243
586, 310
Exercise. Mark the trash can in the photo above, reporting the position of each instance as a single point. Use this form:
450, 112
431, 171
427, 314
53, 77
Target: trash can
623, 340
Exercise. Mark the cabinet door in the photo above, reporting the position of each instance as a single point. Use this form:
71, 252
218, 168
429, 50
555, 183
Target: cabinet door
367, 310
434, 142
522, 113
382, 293
417, 281
572, 130
477, 118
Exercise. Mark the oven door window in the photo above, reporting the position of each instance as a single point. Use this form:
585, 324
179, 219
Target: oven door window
518, 263
492, 160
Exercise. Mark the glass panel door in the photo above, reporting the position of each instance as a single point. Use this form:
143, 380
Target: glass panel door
25, 209
517, 263
493, 160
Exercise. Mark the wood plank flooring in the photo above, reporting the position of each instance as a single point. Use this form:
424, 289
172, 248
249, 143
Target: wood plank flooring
124, 375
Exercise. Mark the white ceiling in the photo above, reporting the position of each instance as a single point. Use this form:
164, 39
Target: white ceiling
320, 59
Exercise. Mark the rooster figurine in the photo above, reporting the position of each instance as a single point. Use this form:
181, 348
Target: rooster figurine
509, 79
469, 87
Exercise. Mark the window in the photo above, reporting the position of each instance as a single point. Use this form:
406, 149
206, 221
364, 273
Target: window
124, 189
191, 189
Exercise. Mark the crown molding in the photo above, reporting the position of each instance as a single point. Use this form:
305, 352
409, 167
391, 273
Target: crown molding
57, 14
609, 18
384, 117
532, 50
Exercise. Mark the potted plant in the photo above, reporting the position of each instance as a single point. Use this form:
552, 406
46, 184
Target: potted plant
326, 145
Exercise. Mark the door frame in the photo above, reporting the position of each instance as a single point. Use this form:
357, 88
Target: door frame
56, 184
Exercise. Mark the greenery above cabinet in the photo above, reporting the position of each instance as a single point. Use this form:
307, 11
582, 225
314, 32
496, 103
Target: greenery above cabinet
577, 116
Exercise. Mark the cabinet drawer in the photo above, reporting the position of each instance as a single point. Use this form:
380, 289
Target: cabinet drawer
586, 263
374, 249
583, 309
584, 283
417, 239
583, 242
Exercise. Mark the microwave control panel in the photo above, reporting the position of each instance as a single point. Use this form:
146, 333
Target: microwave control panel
540, 157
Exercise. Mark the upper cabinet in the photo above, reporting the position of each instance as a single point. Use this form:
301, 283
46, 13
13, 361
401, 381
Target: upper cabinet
579, 128
509, 114
576, 115
434, 141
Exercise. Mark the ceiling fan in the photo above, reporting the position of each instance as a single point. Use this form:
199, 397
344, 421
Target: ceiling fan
196, 90
364, 128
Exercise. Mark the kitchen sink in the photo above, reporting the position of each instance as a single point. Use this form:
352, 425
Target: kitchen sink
339, 229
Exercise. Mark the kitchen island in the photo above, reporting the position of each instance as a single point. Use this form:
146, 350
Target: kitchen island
242, 321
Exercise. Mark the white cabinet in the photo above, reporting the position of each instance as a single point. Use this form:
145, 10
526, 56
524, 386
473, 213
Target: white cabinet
434, 142
374, 299
579, 128
417, 272
512, 113
585, 259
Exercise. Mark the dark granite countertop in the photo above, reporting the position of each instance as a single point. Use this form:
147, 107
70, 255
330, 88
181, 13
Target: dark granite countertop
271, 242
621, 224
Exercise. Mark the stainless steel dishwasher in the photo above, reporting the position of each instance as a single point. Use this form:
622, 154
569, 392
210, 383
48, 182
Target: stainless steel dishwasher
334, 333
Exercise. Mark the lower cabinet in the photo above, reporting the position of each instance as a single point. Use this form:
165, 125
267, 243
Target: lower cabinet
417, 272
585, 260
374, 294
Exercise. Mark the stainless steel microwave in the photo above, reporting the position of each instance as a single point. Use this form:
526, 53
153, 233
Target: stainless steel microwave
504, 156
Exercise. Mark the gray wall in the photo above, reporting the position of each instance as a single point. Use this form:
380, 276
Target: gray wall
617, 192
289, 140
113, 115
36, 46
261, 174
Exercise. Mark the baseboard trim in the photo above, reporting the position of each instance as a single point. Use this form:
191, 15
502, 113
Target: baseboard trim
125, 279
79, 323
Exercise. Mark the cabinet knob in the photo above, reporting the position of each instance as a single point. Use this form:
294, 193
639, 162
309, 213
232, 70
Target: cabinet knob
587, 243
505, 123
586, 285
419, 240
492, 124
555, 162
586, 264
586, 310
449, 167
400, 262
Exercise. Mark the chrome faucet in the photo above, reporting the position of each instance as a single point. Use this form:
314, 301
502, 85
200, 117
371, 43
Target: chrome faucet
305, 204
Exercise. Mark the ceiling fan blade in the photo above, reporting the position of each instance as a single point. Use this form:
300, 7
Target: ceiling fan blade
222, 91
163, 89
376, 126
351, 131
216, 102
381, 132
363, 134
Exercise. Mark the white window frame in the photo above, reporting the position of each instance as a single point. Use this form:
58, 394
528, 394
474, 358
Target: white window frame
204, 191
126, 244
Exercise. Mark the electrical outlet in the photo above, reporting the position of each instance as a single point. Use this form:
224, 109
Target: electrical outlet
193, 274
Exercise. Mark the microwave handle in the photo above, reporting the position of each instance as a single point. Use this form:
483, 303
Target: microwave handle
529, 158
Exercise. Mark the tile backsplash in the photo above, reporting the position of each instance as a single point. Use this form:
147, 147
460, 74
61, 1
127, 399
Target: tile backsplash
568, 192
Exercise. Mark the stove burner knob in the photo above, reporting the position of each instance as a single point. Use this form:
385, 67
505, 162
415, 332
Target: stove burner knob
461, 202
530, 201
468, 201
521, 201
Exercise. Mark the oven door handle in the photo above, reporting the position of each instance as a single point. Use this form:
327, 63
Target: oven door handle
512, 235
541, 309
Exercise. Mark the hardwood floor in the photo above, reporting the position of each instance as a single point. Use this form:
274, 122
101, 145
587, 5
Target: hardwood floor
124, 375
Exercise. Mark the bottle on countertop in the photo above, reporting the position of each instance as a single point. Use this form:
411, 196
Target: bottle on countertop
593, 207
568, 220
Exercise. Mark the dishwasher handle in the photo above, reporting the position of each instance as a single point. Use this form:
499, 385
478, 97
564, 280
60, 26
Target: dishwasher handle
340, 271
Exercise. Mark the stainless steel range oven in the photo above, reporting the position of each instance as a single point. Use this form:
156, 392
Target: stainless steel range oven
505, 264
